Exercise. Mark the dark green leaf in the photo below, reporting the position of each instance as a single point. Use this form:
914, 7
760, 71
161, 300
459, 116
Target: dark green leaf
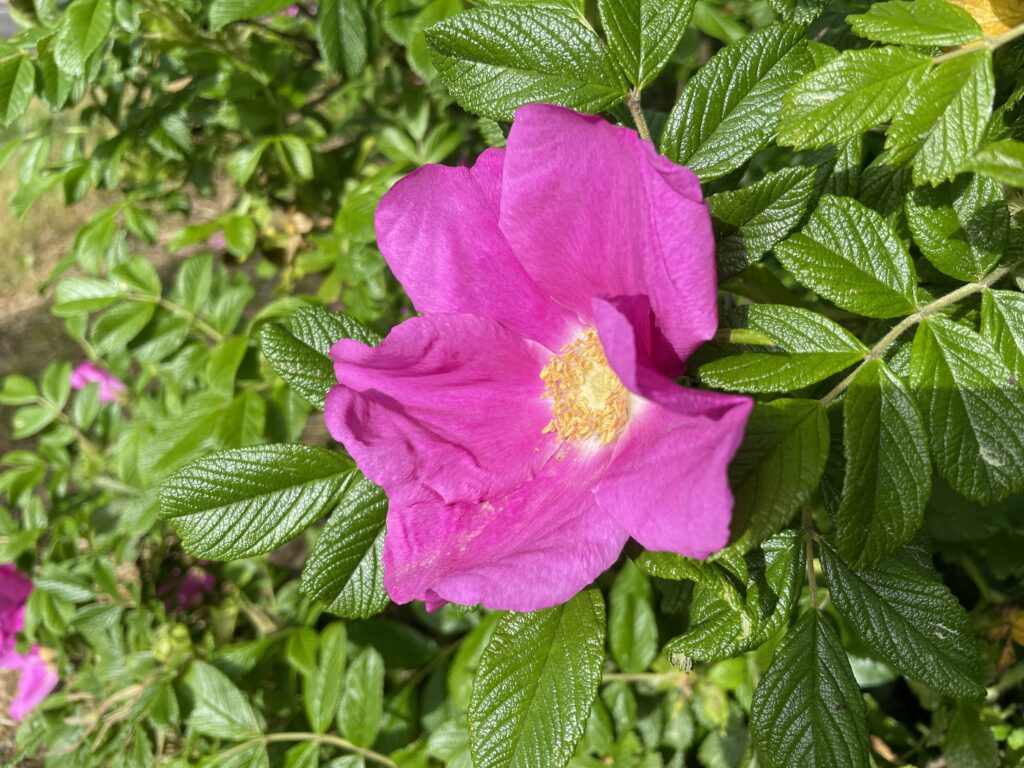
535, 685
969, 743
17, 83
850, 255
729, 110
341, 32
632, 628
643, 34
362, 704
807, 710
494, 60
248, 501
344, 569
973, 409
220, 709
1002, 326
916, 23
224, 12
751, 221
888, 469
903, 612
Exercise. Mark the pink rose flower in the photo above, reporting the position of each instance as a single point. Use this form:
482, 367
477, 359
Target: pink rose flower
37, 676
292, 10
189, 591
527, 424
87, 372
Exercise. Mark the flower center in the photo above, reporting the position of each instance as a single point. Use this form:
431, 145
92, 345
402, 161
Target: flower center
587, 398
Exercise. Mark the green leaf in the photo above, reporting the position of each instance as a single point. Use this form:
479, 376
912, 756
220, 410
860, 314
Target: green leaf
83, 29
961, 227
75, 295
968, 742
901, 610
341, 34
807, 709
17, 84
973, 408
321, 693
777, 467
888, 469
494, 60
295, 156
249, 501
632, 628
726, 622
344, 570
1002, 326
220, 710
947, 113
751, 221
643, 34
1000, 160
30, 420
728, 111
850, 255
917, 23
299, 350
362, 703
808, 348
224, 12
18, 390
536, 683
854, 92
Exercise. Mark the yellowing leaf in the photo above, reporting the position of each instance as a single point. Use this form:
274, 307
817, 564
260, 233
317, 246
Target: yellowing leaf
994, 16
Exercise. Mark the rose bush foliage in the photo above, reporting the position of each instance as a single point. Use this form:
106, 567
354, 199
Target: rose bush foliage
214, 574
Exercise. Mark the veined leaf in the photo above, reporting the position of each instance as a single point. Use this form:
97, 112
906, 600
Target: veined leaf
17, 83
751, 221
724, 622
729, 109
1001, 160
961, 227
535, 685
221, 710
494, 60
1002, 326
83, 29
856, 91
947, 112
969, 742
643, 34
849, 254
902, 611
321, 692
777, 467
810, 348
888, 469
224, 12
807, 709
916, 22
344, 569
973, 408
362, 705
249, 501
632, 627
341, 34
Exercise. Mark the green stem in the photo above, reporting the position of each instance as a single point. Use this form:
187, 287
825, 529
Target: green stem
638, 115
924, 312
989, 42
675, 678
320, 738
200, 325
812, 578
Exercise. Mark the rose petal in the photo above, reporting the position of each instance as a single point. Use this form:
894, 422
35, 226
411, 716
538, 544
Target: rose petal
37, 678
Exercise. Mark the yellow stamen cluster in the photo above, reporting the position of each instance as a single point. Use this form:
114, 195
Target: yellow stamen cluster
587, 398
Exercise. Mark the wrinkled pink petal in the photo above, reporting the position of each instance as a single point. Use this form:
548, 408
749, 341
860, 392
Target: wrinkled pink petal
447, 408
532, 548
36, 679
668, 482
590, 209
438, 231
87, 372
14, 591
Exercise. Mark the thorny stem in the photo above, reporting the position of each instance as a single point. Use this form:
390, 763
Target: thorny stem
924, 312
989, 42
319, 738
638, 115
812, 581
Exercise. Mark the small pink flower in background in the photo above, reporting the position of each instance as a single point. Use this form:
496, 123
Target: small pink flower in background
527, 424
37, 675
189, 591
87, 372
217, 241
292, 10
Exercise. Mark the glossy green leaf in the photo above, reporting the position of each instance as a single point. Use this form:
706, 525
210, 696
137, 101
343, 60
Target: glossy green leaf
777, 466
643, 34
807, 709
83, 29
1000, 160
854, 92
751, 221
249, 501
75, 295
968, 741
808, 347
903, 612
361, 711
632, 627
973, 409
917, 23
1002, 326
494, 60
220, 709
729, 109
224, 12
961, 227
344, 570
321, 692
536, 683
341, 33
851, 256
17, 84
888, 468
